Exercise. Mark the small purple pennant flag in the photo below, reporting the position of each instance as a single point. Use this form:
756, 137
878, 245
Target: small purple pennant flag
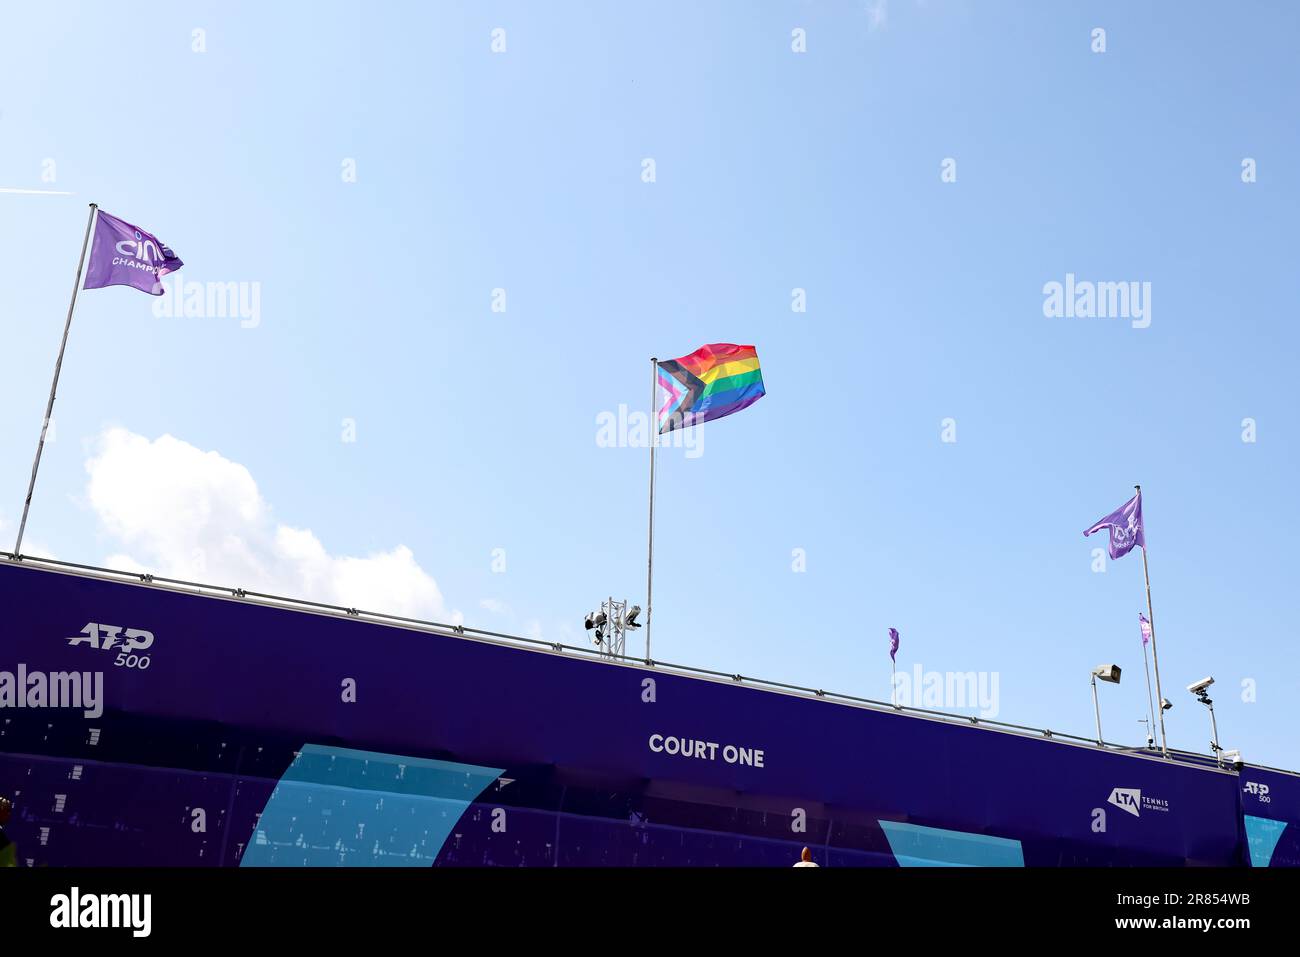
893, 643
1125, 524
125, 255
1146, 628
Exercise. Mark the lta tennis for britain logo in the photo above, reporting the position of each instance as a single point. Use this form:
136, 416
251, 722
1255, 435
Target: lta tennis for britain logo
1131, 800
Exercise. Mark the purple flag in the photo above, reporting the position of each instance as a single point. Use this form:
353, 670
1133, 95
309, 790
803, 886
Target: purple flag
893, 643
1146, 628
125, 255
1125, 524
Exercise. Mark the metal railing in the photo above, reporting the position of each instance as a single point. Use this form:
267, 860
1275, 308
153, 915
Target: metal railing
596, 654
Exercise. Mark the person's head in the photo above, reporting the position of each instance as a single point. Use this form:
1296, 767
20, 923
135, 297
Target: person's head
806, 855
6, 806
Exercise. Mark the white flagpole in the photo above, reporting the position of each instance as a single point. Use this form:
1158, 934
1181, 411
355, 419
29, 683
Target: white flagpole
58, 367
1146, 664
650, 536
1155, 655
893, 681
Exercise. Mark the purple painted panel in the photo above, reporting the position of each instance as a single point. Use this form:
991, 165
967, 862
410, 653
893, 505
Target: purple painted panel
235, 686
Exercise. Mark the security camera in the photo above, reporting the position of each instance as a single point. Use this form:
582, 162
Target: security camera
1165, 704
1107, 673
1232, 757
1197, 687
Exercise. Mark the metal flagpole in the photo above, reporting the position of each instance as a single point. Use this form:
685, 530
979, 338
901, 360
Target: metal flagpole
1147, 666
58, 367
893, 682
1155, 655
650, 537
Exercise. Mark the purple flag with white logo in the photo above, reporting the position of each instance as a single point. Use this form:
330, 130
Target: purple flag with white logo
125, 255
1125, 524
1146, 628
893, 643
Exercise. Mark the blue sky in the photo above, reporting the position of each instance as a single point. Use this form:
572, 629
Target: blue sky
774, 170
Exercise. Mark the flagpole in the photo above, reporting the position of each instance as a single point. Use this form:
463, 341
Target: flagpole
650, 536
1147, 665
58, 367
1155, 655
893, 681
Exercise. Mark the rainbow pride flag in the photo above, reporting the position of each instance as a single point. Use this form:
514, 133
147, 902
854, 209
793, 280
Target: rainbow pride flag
713, 381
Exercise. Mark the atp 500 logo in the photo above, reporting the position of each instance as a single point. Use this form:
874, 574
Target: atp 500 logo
126, 642
1258, 790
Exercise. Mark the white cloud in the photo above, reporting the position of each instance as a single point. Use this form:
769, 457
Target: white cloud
184, 513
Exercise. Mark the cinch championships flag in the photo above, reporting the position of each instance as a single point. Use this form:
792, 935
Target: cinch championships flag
1145, 627
1125, 524
893, 643
713, 381
125, 255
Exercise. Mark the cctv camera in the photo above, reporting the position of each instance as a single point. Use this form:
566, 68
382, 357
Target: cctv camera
1196, 687
1165, 704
